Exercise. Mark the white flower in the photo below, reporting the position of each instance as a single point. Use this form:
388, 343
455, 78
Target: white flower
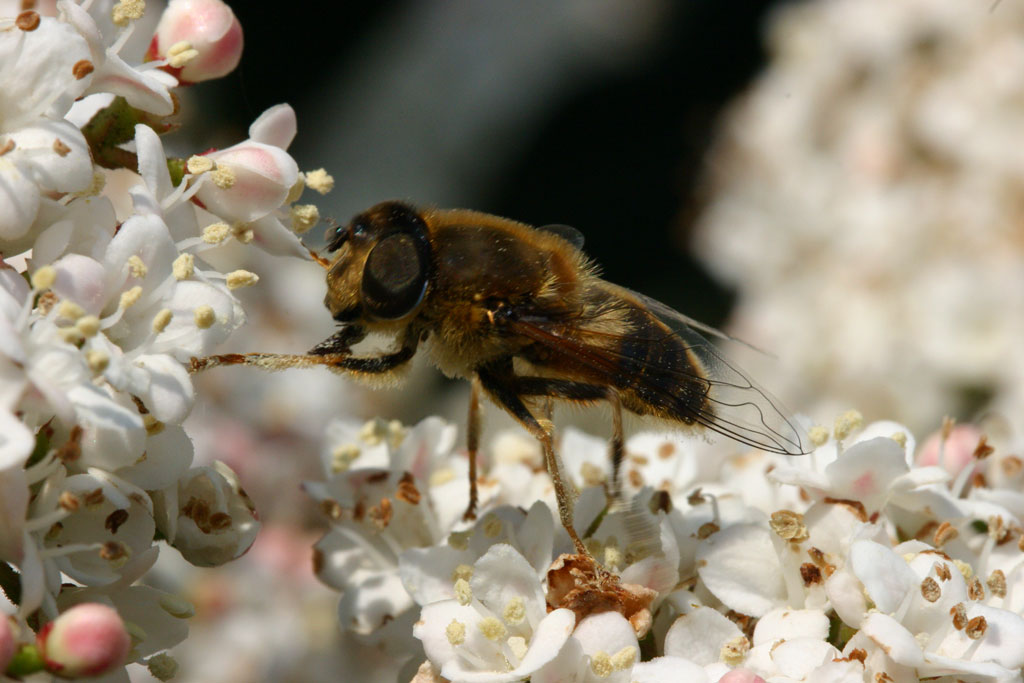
44, 69
498, 629
603, 647
156, 615
897, 301
928, 617
255, 178
741, 567
109, 522
874, 471
207, 516
429, 574
144, 87
378, 511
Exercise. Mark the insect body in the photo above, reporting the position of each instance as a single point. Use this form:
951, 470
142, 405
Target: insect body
521, 312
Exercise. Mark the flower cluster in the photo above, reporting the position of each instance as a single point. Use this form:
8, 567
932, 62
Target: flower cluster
865, 207
117, 269
868, 559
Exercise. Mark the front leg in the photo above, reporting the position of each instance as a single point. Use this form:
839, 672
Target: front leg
332, 353
340, 342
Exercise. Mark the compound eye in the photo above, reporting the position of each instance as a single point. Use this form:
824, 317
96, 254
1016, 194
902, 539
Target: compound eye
395, 276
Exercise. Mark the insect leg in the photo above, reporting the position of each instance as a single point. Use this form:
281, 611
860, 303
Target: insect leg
473, 445
500, 384
338, 362
579, 391
616, 447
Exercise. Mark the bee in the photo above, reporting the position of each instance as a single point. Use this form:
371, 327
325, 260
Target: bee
522, 313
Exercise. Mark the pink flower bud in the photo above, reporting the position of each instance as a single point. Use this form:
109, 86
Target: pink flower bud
741, 676
86, 640
7, 644
251, 180
957, 452
207, 26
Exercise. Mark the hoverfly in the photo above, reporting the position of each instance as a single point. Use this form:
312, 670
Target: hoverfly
522, 313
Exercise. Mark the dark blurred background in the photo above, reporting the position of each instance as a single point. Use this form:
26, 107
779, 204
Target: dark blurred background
594, 113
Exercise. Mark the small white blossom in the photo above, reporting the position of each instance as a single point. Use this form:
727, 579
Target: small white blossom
501, 631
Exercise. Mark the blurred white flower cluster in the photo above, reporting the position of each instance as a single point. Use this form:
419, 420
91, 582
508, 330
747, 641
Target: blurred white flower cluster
107, 288
868, 559
865, 203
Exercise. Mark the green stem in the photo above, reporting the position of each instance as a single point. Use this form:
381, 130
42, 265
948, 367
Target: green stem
26, 661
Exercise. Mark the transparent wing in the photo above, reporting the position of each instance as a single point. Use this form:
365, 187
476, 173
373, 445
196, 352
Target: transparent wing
662, 357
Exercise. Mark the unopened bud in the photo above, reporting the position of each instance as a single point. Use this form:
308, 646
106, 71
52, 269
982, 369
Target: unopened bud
210, 29
87, 640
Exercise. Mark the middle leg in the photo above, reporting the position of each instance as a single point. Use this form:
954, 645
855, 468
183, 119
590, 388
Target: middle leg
500, 383
585, 393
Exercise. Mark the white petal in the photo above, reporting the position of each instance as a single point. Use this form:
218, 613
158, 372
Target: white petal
425, 447
18, 208
427, 572
152, 161
605, 632
570, 666
16, 441
866, 471
274, 237
170, 395
33, 578
373, 602
141, 89
797, 658
503, 574
548, 639
844, 591
113, 435
888, 428
785, 624
937, 665
886, 577
700, 635
81, 279
536, 536
69, 170
668, 669
799, 476
182, 338
168, 456
740, 567
897, 641
147, 237
38, 67
275, 126
82, 227
1000, 643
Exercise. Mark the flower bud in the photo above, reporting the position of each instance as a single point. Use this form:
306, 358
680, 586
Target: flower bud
741, 676
251, 180
201, 39
953, 452
86, 640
